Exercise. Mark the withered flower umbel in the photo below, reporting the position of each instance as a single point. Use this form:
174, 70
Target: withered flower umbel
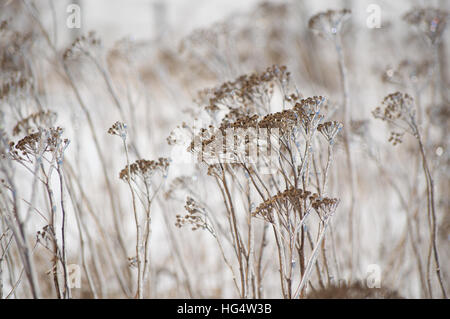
299, 201
15, 85
39, 119
247, 95
45, 140
82, 46
144, 169
195, 216
119, 129
430, 22
398, 109
308, 111
329, 23
329, 130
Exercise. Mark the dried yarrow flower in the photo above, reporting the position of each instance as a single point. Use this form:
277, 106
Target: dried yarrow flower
119, 129
298, 200
247, 95
430, 22
144, 169
285, 121
204, 38
38, 143
15, 85
179, 183
196, 216
396, 138
309, 112
398, 110
253, 132
180, 135
305, 113
39, 119
325, 207
330, 22
82, 46
329, 130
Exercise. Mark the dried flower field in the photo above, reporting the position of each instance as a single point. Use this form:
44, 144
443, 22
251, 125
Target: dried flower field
286, 149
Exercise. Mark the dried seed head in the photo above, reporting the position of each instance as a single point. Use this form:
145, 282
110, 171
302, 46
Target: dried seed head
329, 130
285, 121
38, 143
245, 96
44, 119
325, 207
396, 138
329, 23
82, 45
297, 199
430, 22
308, 111
119, 129
15, 85
144, 169
196, 216
398, 109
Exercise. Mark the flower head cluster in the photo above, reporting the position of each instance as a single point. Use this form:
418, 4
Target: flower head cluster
13, 45
119, 129
38, 143
325, 207
247, 95
305, 113
35, 120
398, 109
430, 22
205, 143
204, 38
299, 200
329, 23
16, 84
329, 130
144, 169
235, 139
178, 184
308, 111
82, 46
195, 216
395, 138
178, 135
